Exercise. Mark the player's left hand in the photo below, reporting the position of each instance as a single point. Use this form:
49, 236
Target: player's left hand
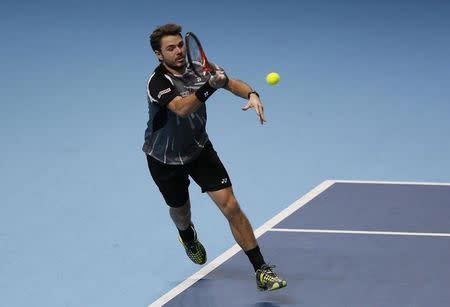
255, 102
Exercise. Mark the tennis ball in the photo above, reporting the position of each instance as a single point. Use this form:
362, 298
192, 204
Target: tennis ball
273, 78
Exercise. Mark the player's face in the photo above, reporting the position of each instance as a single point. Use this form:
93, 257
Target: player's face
173, 52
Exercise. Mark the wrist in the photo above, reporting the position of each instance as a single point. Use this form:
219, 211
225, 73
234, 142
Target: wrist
204, 92
252, 92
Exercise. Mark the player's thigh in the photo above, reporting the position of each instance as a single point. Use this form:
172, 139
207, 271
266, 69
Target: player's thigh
172, 181
208, 171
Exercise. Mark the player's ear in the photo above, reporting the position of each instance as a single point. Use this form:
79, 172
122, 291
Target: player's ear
159, 55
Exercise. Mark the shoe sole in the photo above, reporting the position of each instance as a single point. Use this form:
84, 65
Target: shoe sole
276, 286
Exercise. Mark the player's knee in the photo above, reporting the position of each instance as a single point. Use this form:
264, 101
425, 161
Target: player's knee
183, 211
232, 208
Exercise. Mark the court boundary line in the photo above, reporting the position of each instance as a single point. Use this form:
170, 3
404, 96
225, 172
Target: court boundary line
362, 232
235, 248
393, 182
165, 298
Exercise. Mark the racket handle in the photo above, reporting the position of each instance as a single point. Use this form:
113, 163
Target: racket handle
210, 68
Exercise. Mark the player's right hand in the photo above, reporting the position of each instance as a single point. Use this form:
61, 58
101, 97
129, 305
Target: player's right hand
219, 79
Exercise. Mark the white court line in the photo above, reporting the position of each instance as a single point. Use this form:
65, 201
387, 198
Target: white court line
393, 182
235, 248
362, 232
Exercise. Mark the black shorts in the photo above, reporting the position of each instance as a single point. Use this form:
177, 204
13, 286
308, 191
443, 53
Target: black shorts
172, 180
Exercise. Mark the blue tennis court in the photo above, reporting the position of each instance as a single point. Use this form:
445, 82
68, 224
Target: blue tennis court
345, 243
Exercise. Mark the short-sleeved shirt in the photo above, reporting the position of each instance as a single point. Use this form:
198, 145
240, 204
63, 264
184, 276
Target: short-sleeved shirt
170, 138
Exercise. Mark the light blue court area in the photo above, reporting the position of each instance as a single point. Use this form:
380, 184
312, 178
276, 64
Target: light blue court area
343, 244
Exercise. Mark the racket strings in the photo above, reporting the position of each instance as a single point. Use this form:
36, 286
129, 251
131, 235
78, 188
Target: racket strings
196, 56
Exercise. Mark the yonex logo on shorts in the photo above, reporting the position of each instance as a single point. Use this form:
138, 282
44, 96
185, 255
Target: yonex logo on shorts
167, 90
224, 180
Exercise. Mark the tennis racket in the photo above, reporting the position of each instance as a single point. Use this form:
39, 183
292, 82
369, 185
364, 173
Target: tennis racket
196, 56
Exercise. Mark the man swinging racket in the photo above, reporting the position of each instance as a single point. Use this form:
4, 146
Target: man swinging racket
177, 147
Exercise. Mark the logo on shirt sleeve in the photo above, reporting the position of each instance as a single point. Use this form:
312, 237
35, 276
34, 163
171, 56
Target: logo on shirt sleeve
167, 90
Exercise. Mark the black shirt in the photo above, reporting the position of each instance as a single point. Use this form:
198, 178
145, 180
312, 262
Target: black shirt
170, 138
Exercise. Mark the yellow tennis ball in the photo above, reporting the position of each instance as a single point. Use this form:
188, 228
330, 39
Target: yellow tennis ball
273, 78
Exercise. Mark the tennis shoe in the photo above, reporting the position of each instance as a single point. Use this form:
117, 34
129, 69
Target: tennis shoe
194, 250
266, 279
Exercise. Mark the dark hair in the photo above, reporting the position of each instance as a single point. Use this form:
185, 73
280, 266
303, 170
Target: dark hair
161, 31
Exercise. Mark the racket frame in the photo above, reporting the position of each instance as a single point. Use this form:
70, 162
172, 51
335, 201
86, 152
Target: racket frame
206, 66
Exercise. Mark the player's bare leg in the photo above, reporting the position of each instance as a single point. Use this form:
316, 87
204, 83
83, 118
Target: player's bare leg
239, 224
181, 216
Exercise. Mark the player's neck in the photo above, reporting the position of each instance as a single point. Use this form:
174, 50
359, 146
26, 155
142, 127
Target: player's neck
175, 71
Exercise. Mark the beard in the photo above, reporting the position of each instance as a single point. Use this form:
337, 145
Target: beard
177, 67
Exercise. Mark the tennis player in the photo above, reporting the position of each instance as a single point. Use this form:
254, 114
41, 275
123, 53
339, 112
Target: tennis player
177, 147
